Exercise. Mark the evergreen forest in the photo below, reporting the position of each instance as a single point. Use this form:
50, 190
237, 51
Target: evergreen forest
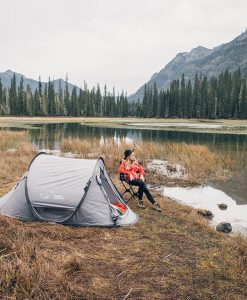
224, 97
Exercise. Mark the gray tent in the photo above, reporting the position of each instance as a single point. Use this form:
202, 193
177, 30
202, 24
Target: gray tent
68, 191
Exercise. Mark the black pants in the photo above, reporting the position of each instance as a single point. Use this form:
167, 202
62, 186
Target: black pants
142, 188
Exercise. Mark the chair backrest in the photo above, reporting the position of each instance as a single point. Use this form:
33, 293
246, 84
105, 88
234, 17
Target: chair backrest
122, 176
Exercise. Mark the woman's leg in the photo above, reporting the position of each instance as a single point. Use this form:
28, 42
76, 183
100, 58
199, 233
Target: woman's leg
142, 188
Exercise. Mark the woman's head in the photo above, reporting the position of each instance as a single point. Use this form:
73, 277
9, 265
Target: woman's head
129, 154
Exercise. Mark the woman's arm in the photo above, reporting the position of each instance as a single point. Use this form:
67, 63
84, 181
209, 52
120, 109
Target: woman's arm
122, 168
140, 169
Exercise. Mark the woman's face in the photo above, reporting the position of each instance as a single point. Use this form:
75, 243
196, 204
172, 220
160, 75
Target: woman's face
132, 156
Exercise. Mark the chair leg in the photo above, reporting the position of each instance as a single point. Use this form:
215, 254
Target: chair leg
135, 194
132, 196
129, 190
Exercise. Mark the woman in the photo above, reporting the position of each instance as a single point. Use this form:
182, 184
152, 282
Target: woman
134, 175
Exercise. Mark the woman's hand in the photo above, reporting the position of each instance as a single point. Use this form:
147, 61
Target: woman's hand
131, 177
142, 178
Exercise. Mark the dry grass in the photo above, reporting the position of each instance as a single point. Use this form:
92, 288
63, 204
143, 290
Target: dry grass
10, 139
171, 255
13, 164
15, 154
200, 163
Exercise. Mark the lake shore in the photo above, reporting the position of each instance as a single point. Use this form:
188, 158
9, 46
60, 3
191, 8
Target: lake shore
191, 125
174, 254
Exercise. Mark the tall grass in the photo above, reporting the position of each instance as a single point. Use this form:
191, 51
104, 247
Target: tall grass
15, 154
10, 139
13, 164
199, 162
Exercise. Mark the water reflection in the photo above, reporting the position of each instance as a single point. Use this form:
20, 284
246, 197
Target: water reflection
51, 135
52, 132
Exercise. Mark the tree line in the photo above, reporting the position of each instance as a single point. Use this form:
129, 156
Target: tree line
45, 101
223, 96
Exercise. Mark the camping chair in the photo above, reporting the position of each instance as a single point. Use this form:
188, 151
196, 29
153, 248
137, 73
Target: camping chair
128, 188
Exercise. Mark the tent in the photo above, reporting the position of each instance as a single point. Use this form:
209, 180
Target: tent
69, 191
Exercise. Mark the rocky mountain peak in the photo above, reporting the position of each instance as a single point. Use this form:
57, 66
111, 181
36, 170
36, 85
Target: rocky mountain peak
9, 73
193, 54
242, 36
199, 52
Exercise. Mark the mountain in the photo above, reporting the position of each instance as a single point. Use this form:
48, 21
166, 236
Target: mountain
203, 61
8, 75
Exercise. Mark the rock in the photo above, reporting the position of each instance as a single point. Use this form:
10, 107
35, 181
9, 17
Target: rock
222, 206
171, 168
205, 213
224, 227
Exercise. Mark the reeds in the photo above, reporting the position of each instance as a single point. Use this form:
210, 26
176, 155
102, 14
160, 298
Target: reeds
13, 164
199, 162
10, 139
15, 154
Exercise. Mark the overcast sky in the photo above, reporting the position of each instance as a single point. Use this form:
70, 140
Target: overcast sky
117, 42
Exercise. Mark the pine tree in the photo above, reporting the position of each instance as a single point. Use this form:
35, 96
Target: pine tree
236, 87
81, 103
155, 101
44, 101
88, 103
150, 102
212, 99
189, 104
51, 98
182, 99
104, 100
145, 108
243, 100
7, 110
36, 106
204, 98
196, 98
228, 94
60, 100
14, 109
66, 97
21, 92
98, 102
30, 102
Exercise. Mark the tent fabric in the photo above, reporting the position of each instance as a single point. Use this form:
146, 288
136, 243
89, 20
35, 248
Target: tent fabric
68, 191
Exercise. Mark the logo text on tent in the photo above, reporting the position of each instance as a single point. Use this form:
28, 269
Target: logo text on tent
51, 195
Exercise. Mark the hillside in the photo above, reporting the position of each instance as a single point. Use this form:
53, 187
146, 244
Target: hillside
8, 75
203, 61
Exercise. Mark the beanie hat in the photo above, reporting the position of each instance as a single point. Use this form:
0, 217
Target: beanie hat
127, 153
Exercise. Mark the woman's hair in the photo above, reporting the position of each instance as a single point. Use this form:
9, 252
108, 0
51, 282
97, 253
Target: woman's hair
127, 153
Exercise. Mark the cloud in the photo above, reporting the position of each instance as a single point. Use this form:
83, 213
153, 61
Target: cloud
117, 42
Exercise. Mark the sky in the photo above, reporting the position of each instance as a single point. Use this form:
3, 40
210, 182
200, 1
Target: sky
120, 43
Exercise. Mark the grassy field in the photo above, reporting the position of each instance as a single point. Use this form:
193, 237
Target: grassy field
27, 122
171, 255
237, 126
227, 126
163, 120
